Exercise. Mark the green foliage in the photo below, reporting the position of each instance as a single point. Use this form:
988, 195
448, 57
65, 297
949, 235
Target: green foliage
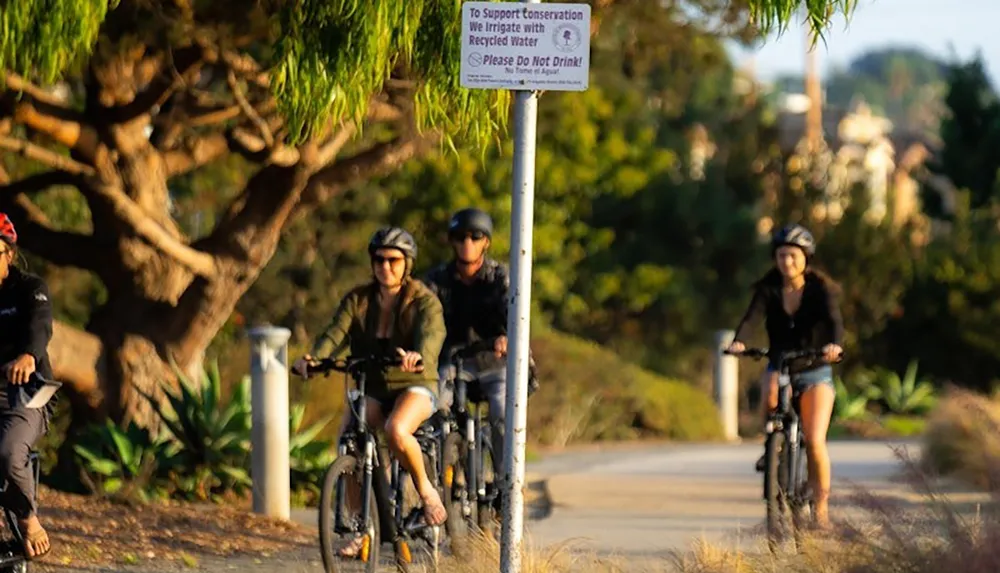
588, 393
905, 426
776, 15
45, 38
205, 452
309, 457
122, 463
334, 56
852, 404
906, 395
214, 439
970, 157
948, 315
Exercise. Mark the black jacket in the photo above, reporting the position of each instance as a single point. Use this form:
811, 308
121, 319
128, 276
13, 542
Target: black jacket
815, 324
473, 312
25, 319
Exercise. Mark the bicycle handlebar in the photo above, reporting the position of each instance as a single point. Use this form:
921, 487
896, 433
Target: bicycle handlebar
352, 364
469, 350
785, 356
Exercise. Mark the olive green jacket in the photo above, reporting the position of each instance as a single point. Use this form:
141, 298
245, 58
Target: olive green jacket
419, 327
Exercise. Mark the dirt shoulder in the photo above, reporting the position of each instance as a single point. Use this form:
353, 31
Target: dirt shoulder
95, 534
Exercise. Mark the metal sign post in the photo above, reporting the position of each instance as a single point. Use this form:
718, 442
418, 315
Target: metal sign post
527, 48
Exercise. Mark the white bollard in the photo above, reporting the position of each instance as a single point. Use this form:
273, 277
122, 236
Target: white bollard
727, 385
269, 462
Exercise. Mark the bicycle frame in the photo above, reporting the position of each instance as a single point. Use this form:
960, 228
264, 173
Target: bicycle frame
786, 420
359, 439
470, 418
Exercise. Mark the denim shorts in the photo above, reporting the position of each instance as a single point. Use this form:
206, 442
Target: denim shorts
809, 378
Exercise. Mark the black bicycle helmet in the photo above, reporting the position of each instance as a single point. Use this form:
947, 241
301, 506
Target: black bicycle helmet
794, 235
471, 220
394, 238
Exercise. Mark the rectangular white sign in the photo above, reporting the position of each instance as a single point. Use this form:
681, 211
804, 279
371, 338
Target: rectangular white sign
512, 45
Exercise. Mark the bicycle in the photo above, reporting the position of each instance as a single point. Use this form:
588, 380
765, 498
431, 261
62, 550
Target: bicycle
786, 484
468, 454
382, 504
12, 556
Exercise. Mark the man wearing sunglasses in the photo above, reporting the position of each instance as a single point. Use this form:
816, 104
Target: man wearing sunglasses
473, 289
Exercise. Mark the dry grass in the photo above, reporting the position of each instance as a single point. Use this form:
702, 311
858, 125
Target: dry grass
963, 438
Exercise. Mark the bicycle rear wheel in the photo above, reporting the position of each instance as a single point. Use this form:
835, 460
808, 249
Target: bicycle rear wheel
341, 497
488, 513
775, 480
459, 497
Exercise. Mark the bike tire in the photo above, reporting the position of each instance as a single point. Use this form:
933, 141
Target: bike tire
329, 505
486, 514
775, 478
803, 507
458, 525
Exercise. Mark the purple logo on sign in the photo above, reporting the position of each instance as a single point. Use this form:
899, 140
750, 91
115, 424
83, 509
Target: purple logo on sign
566, 37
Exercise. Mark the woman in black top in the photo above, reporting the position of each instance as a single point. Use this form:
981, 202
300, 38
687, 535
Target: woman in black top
25, 330
800, 310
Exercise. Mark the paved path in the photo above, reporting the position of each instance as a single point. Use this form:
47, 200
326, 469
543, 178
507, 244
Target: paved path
652, 501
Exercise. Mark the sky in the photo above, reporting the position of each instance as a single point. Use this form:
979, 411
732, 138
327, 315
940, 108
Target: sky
940, 27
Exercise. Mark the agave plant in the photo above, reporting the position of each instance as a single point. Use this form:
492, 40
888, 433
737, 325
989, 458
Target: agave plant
122, 463
309, 456
906, 395
213, 439
849, 405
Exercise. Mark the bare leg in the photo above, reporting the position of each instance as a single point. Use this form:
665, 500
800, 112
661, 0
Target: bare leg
768, 402
817, 408
411, 409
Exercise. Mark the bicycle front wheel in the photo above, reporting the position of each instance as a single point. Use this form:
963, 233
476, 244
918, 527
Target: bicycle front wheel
341, 521
775, 482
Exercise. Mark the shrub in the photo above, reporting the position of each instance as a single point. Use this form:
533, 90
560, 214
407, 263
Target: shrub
204, 454
906, 395
213, 438
588, 393
963, 437
122, 463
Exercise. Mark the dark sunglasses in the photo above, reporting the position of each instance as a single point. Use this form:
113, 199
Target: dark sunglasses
461, 237
379, 259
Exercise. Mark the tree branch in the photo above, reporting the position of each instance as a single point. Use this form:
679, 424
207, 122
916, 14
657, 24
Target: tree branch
39, 182
195, 153
16, 83
43, 155
329, 150
35, 231
174, 68
248, 109
127, 211
377, 160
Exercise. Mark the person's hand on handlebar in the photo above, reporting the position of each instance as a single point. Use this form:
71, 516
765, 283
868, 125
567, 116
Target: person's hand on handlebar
411, 360
500, 346
19, 370
832, 352
736, 347
301, 366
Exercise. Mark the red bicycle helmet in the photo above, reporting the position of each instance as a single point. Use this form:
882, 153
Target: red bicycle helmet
7, 232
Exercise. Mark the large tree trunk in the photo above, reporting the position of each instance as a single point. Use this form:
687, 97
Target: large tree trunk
168, 297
